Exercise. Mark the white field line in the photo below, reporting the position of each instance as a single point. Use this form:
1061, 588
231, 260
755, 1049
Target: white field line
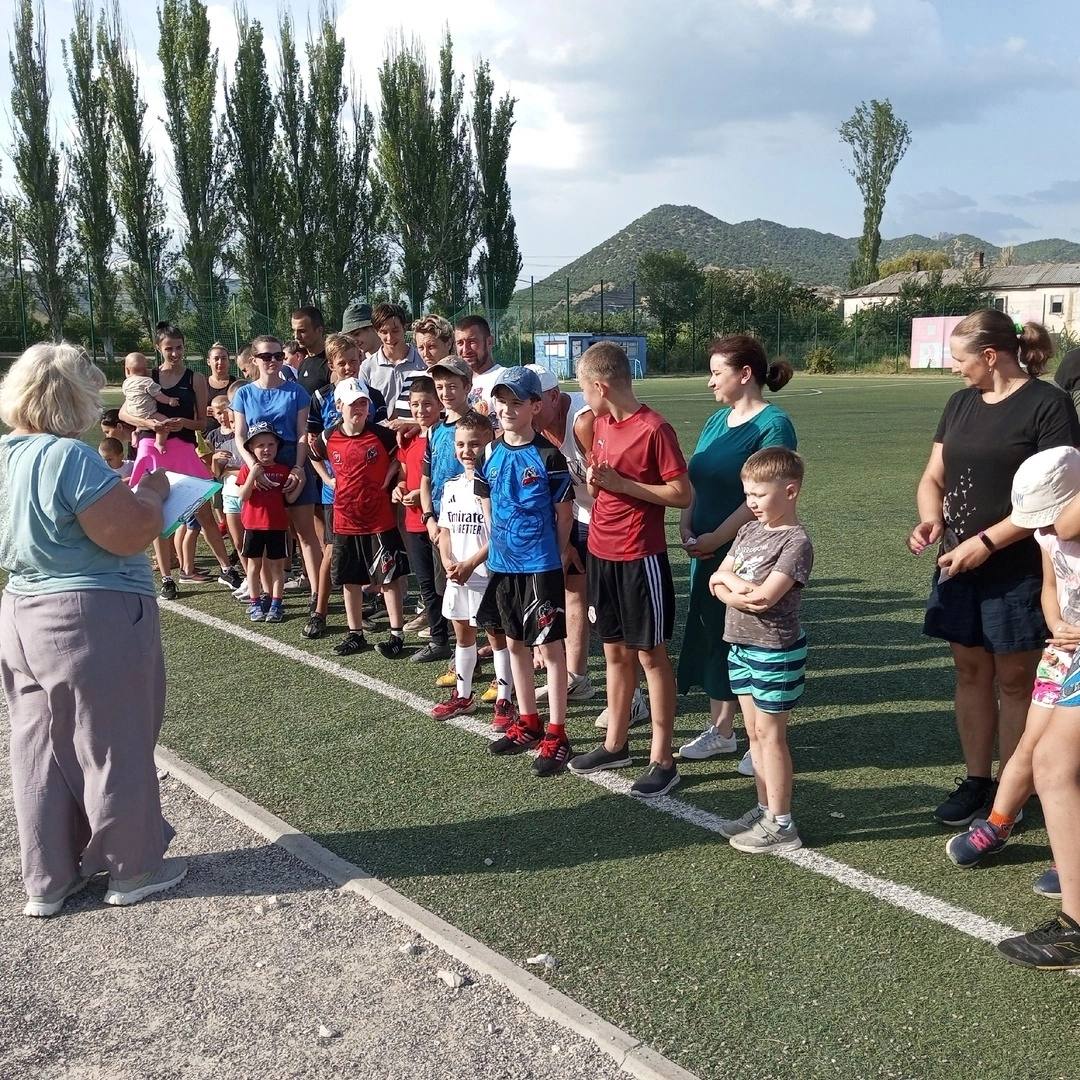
900, 896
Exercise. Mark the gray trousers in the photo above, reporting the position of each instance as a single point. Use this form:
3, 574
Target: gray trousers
84, 679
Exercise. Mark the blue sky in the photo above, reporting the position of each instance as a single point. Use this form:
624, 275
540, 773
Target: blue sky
731, 105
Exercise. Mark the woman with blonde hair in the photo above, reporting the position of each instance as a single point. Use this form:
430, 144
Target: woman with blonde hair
79, 619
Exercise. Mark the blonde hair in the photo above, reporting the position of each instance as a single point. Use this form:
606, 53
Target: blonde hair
435, 325
604, 362
338, 345
771, 464
54, 389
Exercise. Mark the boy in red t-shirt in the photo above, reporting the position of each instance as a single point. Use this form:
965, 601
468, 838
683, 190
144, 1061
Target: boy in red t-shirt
636, 471
367, 545
266, 523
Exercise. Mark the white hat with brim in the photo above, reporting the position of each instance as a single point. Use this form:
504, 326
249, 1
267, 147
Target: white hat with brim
349, 390
1043, 486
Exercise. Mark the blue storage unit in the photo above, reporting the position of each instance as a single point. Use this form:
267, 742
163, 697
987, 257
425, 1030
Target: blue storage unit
560, 352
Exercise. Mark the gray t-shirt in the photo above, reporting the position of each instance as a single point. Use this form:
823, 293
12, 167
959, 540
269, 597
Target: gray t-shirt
390, 378
757, 551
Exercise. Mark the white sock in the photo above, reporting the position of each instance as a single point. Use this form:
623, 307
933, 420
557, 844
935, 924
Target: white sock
464, 665
763, 808
783, 820
504, 674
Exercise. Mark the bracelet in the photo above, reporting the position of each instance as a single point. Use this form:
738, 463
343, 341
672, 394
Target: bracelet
987, 541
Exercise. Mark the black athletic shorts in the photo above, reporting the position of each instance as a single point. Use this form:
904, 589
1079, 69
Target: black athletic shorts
265, 544
370, 559
328, 522
579, 541
632, 602
528, 607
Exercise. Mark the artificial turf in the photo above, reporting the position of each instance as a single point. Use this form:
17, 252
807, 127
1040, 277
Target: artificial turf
731, 965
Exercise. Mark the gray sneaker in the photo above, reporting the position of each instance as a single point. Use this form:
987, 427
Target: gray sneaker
730, 827
639, 712
708, 744
746, 765
767, 835
170, 873
42, 907
579, 688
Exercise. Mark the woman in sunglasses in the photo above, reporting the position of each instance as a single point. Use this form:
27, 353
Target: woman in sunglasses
283, 404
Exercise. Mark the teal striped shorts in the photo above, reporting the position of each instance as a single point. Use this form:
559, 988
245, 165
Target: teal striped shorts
774, 678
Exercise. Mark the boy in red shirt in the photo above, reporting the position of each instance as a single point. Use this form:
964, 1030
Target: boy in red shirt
266, 523
367, 545
637, 470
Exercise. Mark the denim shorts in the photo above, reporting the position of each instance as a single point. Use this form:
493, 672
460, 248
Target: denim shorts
1000, 616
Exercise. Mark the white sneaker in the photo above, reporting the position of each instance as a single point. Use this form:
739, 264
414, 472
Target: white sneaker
746, 765
241, 591
579, 688
708, 744
170, 873
42, 907
639, 712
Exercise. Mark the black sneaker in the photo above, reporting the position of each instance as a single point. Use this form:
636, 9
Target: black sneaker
600, 758
430, 652
313, 603
519, 737
315, 627
392, 649
1052, 947
972, 798
353, 642
168, 589
374, 608
232, 577
655, 781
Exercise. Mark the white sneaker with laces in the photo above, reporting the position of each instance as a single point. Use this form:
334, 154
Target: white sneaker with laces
639, 711
170, 873
746, 765
708, 744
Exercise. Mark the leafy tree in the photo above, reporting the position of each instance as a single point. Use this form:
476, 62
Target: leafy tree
933, 296
371, 249
42, 212
140, 204
878, 139
671, 287
254, 177
915, 260
95, 216
499, 264
189, 86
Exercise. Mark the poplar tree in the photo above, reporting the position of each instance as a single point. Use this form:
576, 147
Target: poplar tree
140, 204
189, 86
42, 211
499, 263
878, 139
95, 216
254, 173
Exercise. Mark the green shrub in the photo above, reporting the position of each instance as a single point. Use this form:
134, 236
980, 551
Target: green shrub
821, 361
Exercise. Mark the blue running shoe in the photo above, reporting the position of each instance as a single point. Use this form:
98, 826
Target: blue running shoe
981, 839
255, 611
1048, 883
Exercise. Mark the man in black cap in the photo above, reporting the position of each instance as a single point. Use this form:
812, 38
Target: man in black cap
357, 324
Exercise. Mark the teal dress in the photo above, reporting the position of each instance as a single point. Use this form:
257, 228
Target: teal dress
714, 472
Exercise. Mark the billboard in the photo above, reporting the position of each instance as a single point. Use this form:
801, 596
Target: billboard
930, 341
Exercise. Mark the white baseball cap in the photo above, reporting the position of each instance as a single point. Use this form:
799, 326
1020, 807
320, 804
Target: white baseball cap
349, 390
1044, 485
548, 379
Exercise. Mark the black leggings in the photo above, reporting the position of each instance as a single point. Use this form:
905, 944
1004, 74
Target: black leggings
422, 556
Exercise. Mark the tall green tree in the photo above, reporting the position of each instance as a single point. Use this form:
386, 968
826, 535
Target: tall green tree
253, 181
95, 215
372, 247
878, 139
408, 150
499, 263
189, 85
42, 209
670, 284
140, 204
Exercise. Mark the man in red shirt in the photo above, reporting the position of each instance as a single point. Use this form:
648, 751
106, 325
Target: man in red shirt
367, 544
637, 470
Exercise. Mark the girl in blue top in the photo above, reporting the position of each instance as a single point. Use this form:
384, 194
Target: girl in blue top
738, 372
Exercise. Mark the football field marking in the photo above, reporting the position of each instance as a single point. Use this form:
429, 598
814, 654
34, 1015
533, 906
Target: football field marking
890, 892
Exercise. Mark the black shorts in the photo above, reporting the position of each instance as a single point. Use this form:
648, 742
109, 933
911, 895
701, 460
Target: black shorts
328, 523
370, 559
632, 602
579, 541
265, 544
527, 607
978, 612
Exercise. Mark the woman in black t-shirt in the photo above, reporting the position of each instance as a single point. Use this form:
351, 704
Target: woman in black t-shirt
985, 596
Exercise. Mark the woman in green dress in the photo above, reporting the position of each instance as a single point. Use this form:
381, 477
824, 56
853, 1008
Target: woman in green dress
738, 373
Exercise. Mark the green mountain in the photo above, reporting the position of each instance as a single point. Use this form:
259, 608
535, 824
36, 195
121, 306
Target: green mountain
809, 256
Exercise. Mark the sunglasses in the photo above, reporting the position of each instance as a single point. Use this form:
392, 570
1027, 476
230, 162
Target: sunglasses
266, 357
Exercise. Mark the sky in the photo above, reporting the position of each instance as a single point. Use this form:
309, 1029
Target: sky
728, 105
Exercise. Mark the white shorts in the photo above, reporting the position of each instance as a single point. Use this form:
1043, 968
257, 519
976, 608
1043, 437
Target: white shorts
461, 602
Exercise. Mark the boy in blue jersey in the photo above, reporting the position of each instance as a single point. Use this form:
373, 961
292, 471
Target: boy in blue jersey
527, 492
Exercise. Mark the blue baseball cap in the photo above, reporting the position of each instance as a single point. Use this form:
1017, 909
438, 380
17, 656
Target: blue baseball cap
521, 382
260, 427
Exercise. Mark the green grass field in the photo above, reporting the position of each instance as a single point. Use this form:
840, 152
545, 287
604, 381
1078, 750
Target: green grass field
733, 966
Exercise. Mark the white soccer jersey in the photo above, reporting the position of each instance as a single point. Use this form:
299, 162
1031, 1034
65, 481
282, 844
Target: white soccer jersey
462, 515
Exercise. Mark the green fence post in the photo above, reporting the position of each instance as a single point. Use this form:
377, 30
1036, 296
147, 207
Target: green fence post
778, 339
532, 303
601, 305
633, 306
855, 342
235, 327
896, 357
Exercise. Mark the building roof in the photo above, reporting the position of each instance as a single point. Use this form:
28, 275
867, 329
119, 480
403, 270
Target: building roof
1029, 276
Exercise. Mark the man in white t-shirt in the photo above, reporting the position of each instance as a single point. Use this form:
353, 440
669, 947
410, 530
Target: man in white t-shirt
474, 343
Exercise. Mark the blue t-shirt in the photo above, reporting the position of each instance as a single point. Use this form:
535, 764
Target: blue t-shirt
440, 461
45, 481
277, 406
524, 484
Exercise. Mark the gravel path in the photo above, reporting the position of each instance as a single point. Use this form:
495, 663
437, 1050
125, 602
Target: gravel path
204, 981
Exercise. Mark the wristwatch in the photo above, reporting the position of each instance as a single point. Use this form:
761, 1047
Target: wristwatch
426, 516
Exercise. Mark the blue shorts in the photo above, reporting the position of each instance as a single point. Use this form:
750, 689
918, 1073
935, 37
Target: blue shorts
310, 495
774, 678
1000, 616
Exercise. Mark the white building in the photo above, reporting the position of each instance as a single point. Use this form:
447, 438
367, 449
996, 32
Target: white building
1047, 293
